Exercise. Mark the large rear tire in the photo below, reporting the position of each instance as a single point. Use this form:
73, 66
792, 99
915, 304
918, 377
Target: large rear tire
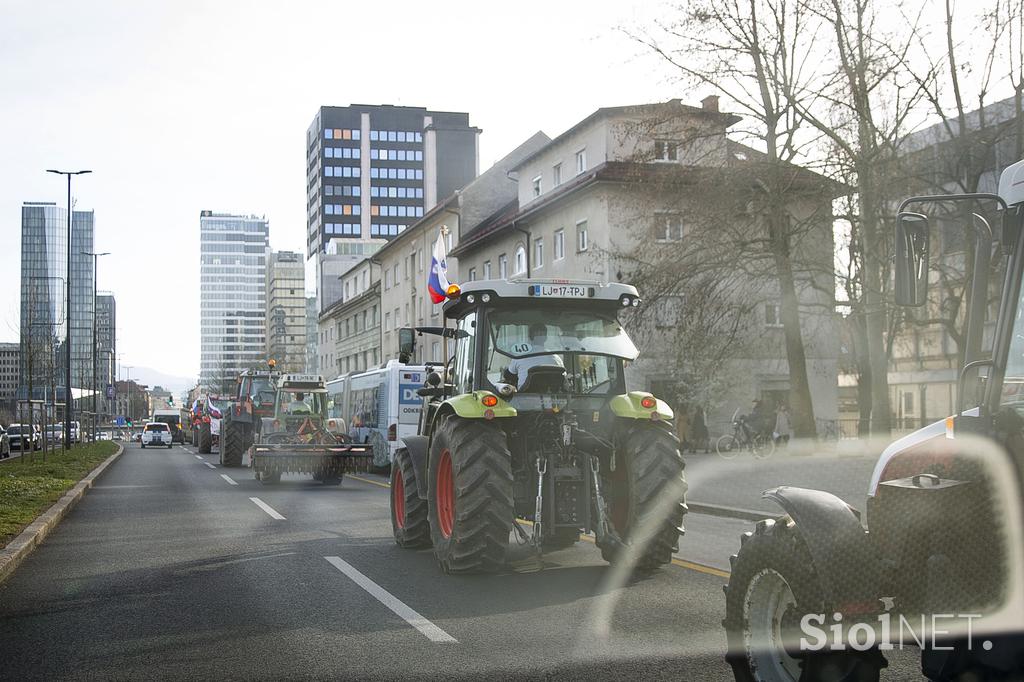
469, 495
771, 587
408, 512
647, 494
231, 444
205, 439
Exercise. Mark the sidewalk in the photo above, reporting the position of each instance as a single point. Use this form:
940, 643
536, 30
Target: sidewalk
739, 482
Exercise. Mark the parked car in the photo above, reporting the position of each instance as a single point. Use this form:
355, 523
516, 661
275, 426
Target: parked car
156, 433
5, 444
137, 437
33, 438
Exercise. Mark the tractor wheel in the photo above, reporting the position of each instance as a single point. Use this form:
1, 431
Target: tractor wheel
646, 494
231, 448
469, 495
771, 587
205, 439
408, 511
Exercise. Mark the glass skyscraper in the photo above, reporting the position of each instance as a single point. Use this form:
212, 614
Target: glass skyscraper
43, 295
232, 299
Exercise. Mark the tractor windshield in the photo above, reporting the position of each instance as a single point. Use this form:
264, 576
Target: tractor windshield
538, 331
302, 402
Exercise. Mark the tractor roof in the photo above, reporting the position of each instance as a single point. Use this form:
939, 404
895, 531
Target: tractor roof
307, 382
578, 291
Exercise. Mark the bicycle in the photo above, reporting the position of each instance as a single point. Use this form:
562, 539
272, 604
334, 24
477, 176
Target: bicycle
729, 445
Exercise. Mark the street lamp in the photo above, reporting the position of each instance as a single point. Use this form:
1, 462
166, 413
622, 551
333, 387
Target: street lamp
95, 277
128, 377
69, 403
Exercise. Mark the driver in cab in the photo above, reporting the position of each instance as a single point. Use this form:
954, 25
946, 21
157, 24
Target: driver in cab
298, 405
520, 367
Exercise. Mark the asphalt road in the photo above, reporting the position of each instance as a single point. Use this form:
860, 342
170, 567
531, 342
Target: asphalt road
173, 567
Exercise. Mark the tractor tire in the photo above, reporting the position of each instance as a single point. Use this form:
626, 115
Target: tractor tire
649, 468
408, 512
205, 439
771, 587
231, 445
469, 495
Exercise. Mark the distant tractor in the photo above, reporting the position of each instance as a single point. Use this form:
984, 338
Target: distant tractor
530, 419
298, 436
208, 420
253, 400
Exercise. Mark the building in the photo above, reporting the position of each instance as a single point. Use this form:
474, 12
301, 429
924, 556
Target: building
406, 259
106, 348
44, 252
312, 359
286, 310
160, 399
232, 304
350, 328
132, 401
626, 179
373, 170
9, 366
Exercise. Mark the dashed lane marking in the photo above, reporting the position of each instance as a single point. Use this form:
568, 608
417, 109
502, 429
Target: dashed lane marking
210, 465
267, 508
431, 631
682, 563
228, 479
197, 456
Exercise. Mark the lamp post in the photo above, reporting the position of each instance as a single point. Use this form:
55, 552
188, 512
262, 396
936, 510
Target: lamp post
68, 402
95, 277
128, 377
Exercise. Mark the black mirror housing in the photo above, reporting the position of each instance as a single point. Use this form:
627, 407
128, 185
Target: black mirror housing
911, 266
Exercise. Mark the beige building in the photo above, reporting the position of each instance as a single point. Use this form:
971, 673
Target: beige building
349, 330
405, 260
622, 179
286, 310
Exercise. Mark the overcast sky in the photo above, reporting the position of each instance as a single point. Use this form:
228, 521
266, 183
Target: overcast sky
185, 105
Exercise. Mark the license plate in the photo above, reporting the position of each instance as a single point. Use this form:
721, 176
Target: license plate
559, 291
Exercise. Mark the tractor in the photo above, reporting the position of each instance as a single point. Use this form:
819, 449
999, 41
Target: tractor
299, 437
530, 420
207, 419
253, 400
942, 521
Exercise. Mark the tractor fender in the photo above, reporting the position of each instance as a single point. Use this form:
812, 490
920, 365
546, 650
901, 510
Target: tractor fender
470, 406
840, 550
417, 447
628, 406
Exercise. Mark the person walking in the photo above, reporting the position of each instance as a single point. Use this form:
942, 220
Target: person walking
683, 428
782, 426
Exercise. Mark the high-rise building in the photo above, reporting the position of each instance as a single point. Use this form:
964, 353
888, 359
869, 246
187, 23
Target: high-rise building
232, 300
43, 323
286, 310
373, 170
312, 361
9, 354
106, 348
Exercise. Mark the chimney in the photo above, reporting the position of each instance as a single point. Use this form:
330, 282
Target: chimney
710, 103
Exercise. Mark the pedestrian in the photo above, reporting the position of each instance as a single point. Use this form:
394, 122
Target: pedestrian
782, 426
699, 430
682, 427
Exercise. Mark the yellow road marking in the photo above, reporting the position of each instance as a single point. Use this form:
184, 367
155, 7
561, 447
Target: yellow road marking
700, 568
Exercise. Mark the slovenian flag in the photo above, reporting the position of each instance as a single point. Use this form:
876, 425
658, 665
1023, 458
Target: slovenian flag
437, 281
214, 411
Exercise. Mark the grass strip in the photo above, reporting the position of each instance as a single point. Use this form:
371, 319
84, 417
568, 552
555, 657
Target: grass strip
30, 487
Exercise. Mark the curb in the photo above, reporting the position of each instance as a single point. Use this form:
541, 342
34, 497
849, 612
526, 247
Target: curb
730, 512
20, 547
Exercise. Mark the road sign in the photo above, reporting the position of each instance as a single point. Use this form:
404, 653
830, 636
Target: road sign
120, 421
111, 393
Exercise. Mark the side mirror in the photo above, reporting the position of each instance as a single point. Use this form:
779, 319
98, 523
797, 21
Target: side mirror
406, 341
911, 259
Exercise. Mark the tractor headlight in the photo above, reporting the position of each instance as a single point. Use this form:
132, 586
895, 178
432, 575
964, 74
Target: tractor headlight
486, 298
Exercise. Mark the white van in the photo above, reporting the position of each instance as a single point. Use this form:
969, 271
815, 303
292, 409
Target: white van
379, 406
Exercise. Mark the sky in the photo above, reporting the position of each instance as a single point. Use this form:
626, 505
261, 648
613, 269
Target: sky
183, 105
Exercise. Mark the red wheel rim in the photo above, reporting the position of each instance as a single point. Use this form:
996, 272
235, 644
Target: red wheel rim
398, 497
445, 494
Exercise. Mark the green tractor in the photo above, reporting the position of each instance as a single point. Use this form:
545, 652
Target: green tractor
530, 420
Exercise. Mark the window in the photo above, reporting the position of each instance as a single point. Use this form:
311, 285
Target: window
556, 175
538, 254
536, 186
519, 261
387, 322
395, 278
387, 279
668, 227
665, 150
772, 315
581, 236
487, 269
502, 266
581, 161
559, 244
472, 275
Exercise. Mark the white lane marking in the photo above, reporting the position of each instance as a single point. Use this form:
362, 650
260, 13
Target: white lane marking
210, 465
432, 632
267, 508
228, 479
197, 457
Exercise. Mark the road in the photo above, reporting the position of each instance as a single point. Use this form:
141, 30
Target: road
173, 567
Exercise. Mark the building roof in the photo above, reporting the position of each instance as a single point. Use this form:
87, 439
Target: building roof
636, 109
